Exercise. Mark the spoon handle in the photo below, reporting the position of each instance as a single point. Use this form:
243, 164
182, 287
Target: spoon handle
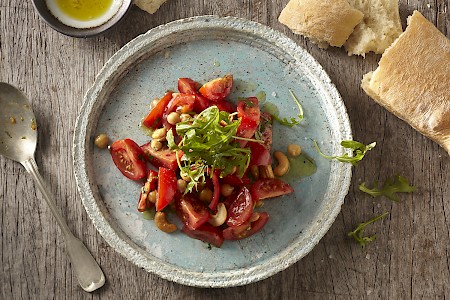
90, 276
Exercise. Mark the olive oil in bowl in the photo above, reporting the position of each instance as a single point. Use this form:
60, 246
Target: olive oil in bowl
83, 13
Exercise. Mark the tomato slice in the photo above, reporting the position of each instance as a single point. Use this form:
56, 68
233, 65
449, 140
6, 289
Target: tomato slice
167, 187
225, 106
260, 154
216, 193
240, 209
249, 112
201, 103
162, 158
187, 86
206, 233
192, 212
149, 185
234, 180
182, 102
129, 159
217, 89
269, 188
154, 118
247, 229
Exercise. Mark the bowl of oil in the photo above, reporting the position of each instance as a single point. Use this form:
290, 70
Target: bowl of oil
82, 18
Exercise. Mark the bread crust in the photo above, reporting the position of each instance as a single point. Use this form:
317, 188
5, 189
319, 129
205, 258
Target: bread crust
413, 79
324, 22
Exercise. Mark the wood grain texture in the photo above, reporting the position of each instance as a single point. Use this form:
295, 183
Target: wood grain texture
409, 260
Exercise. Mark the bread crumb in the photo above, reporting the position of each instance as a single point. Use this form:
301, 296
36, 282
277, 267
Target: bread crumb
150, 6
379, 28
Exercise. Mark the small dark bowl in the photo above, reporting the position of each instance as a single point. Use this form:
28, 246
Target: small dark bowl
56, 24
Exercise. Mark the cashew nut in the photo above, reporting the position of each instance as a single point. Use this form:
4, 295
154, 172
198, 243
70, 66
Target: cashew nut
254, 217
266, 171
101, 141
220, 217
206, 195
159, 134
226, 189
294, 150
181, 185
283, 163
184, 117
255, 172
185, 177
173, 118
156, 145
152, 196
162, 223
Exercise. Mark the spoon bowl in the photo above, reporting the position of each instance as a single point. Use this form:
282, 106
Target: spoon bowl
18, 139
19, 135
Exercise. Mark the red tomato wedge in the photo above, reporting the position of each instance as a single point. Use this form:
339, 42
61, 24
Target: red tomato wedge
167, 187
240, 209
216, 193
217, 89
187, 86
162, 158
224, 106
269, 188
234, 180
149, 185
260, 154
154, 118
247, 229
206, 233
192, 212
201, 103
182, 102
249, 112
129, 159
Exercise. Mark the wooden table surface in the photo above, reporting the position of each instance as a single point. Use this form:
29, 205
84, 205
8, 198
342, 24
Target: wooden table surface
409, 259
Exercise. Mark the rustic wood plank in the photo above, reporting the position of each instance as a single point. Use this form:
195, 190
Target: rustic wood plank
410, 258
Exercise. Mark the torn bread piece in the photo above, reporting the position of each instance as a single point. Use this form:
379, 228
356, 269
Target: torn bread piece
413, 79
150, 6
380, 26
327, 22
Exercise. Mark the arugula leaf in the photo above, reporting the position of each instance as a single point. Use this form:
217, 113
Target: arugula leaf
208, 143
357, 234
398, 184
359, 150
293, 121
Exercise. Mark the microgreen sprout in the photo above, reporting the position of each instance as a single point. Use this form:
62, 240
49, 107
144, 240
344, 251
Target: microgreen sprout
293, 121
359, 151
398, 184
358, 233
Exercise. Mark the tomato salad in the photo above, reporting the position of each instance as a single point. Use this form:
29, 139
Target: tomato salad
212, 158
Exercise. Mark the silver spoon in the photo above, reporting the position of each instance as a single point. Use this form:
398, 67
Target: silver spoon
18, 138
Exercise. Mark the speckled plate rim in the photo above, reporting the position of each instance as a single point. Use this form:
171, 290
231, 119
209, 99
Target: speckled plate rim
340, 173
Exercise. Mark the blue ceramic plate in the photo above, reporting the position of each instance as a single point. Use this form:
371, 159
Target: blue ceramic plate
263, 62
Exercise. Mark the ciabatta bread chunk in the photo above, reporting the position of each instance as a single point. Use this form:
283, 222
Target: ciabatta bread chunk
379, 28
413, 79
325, 22
150, 6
